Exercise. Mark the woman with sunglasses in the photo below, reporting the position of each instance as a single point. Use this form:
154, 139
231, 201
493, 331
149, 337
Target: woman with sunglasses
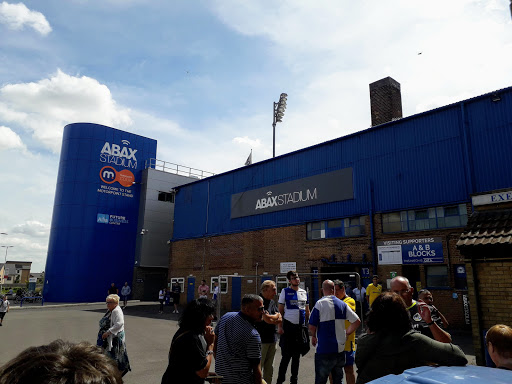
111, 335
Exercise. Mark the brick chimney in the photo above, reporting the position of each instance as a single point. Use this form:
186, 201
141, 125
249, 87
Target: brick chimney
385, 101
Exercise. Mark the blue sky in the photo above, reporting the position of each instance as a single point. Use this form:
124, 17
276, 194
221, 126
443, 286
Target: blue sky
200, 77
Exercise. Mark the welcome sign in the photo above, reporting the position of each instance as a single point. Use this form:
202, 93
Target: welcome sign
318, 189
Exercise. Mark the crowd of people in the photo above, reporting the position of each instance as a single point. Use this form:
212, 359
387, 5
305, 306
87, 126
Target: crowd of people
400, 333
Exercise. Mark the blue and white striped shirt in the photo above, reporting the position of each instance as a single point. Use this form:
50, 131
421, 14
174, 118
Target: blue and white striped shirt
329, 315
295, 303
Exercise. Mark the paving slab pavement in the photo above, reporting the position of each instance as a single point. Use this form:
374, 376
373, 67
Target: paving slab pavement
148, 335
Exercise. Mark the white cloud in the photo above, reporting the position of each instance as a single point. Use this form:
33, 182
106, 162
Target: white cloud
45, 107
10, 139
27, 203
32, 228
17, 16
334, 49
253, 143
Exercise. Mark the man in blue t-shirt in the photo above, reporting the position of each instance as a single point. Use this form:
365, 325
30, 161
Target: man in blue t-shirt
294, 308
328, 334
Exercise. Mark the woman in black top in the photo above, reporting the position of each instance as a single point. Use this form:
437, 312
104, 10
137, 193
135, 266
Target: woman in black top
191, 353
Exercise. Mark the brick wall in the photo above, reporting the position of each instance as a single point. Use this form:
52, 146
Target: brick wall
493, 294
225, 255
385, 101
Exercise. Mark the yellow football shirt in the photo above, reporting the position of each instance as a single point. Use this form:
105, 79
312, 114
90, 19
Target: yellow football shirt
373, 291
351, 339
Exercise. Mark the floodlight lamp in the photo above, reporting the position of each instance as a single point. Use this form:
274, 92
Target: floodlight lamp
283, 96
281, 108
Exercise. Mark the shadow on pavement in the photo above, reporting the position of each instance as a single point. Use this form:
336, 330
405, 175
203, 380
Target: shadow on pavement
462, 338
147, 311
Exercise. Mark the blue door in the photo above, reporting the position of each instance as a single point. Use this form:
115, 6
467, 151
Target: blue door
236, 293
315, 288
191, 288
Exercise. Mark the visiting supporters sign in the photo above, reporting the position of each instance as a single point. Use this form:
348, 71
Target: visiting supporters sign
423, 250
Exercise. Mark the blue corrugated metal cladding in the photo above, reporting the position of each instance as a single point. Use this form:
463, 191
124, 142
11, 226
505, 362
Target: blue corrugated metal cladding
433, 158
94, 224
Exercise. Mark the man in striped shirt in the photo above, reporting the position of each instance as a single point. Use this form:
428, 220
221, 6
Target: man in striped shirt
328, 334
238, 345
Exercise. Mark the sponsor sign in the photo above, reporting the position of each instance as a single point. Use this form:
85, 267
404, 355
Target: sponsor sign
467, 314
114, 156
411, 251
319, 189
103, 218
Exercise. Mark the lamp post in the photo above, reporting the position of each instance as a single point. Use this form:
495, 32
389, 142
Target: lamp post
279, 108
5, 262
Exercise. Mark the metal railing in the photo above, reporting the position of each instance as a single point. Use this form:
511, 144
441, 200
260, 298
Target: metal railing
276, 279
177, 169
32, 299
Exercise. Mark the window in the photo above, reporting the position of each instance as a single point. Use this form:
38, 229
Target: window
391, 222
223, 283
166, 196
354, 226
425, 219
437, 276
181, 282
316, 230
454, 216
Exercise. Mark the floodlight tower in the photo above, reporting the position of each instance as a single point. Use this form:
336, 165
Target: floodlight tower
279, 109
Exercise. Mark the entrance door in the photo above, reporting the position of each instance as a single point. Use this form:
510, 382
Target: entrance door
349, 279
412, 272
153, 283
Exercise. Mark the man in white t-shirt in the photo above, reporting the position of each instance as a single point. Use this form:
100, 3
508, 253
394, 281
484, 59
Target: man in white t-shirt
4, 308
161, 298
294, 308
359, 295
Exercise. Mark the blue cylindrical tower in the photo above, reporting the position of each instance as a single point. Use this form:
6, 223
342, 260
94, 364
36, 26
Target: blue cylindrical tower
94, 224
